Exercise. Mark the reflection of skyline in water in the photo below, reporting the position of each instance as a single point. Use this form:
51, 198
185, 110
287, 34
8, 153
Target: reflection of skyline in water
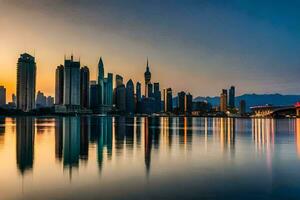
112, 136
25, 143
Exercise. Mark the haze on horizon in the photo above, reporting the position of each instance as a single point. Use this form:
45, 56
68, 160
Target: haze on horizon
198, 46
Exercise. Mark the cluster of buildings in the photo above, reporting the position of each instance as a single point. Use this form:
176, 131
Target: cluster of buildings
76, 93
227, 102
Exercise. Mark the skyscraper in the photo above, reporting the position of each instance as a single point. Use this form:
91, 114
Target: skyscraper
242, 109
223, 101
109, 89
130, 107
2, 95
59, 85
181, 105
138, 92
232, 97
157, 97
41, 100
49, 101
14, 99
168, 104
101, 81
72, 83
94, 95
147, 76
121, 98
188, 103
26, 82
150, 90
119, 80
84, 86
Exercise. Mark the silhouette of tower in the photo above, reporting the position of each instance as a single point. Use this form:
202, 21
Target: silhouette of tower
147, 76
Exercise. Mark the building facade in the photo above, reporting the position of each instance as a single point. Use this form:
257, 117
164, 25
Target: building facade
26, 82
59, 85
223, 101
168, 100
2, 96
130, 103
84, 87
231, 102
72, 83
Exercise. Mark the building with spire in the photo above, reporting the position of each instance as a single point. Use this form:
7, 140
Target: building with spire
147, 76
105, 87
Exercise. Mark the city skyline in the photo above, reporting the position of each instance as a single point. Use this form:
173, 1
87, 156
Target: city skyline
254, 56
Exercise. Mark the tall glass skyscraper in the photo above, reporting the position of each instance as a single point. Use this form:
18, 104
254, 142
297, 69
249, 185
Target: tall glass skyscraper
232, 97
72, 83
59, 85
26, 82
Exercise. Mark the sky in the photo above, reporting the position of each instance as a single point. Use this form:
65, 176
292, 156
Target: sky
199, 46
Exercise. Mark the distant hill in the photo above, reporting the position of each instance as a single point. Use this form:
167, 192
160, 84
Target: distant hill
256, 99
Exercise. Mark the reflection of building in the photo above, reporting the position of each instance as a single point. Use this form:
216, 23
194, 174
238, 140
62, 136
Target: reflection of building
25, 143
105, 138
227, 134
26, 82
151, 137
84, 138
71, 138
263, 133
297, 136
58, 138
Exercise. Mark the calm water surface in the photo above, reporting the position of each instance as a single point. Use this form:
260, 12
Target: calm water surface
149, 158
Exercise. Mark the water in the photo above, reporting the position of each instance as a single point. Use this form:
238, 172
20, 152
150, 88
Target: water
149, 158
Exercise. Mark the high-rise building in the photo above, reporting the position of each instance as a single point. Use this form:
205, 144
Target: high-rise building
59, 85
181, 105
242, 109
121, 98
138, 92
157, 97
72, 83
49, 101
232, 97
109, 90
84, 87
101, 81
119, 80
41, 100
14, 99
26, 82
94, 95
130, 106
2, 95
188, 103
168, 104
223, 101
150, 90
147, 76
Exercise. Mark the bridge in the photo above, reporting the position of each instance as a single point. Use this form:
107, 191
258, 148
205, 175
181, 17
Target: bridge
273, 111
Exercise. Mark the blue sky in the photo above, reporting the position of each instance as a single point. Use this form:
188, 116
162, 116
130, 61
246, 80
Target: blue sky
198, 46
